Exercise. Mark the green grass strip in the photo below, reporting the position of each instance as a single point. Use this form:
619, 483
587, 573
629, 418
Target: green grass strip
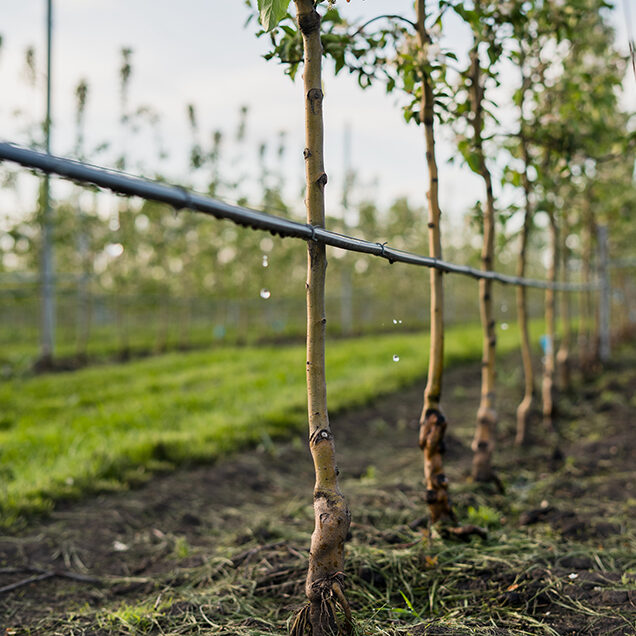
65, 435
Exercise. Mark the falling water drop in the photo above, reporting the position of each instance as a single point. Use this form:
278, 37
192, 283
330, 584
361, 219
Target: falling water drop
265, 260
504, 326
396, 357
265, 293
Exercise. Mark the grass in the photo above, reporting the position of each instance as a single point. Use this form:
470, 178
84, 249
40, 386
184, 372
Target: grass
245, 575
19, 347
105, 427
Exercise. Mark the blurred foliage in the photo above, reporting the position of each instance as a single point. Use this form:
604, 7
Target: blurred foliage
554, 66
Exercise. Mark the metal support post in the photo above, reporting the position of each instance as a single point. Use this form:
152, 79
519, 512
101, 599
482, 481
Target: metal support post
47, 266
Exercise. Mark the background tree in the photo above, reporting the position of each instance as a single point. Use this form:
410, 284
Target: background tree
575, 113
485, 23
530, 27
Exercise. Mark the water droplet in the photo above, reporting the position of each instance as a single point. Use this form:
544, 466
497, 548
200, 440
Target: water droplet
114, 249
504, 326
399, 322
265, 260
396, 357
395, 322
265, 293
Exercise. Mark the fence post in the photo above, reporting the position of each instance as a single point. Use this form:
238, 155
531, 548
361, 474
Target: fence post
605, 294
47, 337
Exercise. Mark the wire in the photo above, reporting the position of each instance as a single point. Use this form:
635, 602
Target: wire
181, 198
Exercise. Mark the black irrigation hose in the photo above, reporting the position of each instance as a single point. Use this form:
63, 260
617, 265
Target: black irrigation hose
180, 198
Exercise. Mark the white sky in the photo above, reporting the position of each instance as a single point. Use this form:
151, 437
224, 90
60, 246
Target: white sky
199, 51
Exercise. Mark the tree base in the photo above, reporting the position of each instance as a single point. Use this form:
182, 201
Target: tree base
44, 363
523, 416
483, 472
431, 442
327, 615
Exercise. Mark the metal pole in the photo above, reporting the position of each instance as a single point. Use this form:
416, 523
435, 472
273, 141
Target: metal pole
47, 342
605, 294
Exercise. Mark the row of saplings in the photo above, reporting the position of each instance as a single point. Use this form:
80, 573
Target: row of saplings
327, 610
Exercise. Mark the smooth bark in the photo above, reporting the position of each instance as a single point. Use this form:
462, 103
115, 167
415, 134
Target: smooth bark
325, 578
563, 354
587, 346
524, 408
432, 420
484, 440
549, 366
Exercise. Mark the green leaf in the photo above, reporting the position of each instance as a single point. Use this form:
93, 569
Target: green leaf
272, 12
474, 162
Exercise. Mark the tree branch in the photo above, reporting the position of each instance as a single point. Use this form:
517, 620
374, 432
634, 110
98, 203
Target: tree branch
384, 17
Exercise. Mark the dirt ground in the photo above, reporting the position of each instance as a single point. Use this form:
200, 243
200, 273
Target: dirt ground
212, 549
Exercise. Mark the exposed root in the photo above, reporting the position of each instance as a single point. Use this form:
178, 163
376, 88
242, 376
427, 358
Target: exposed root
344, 604
301, 624
327, 614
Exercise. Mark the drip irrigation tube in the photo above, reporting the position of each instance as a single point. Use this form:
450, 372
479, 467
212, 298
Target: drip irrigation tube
180, 198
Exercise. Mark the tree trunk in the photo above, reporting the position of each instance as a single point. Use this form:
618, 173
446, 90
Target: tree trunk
432, 420
547, 388
484, 440
563, 355
325, 579
523, 410
585, 299
604, 296
622, 308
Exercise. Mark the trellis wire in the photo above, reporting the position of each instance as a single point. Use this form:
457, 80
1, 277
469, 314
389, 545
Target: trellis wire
180, 198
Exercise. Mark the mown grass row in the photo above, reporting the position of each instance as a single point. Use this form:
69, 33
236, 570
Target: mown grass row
107, 427
19, 347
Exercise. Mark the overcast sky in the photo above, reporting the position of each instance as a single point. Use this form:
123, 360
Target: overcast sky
198, 51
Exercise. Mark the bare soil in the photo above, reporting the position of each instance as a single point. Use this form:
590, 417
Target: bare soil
167, 544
